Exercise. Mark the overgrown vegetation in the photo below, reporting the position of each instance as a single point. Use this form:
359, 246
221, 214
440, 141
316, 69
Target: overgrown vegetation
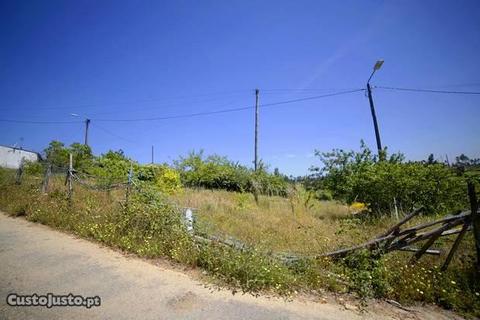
287, 218
359, 176
216, 172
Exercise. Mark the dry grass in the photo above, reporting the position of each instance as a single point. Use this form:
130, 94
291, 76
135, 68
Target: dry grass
280, 224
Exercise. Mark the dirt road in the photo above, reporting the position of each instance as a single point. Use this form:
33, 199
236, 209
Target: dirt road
37, 259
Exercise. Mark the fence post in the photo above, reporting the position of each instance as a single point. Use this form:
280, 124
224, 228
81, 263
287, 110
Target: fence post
70, 177
18, 177
46, 178
129, 184
475, 220
396, 208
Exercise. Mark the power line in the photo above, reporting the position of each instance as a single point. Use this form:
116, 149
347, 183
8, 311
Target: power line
112, 133
313, 98
428, 90
190, 115
38, 122
94, 105
301, 91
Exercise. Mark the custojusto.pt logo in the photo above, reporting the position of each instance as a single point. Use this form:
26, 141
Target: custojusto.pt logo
50, 300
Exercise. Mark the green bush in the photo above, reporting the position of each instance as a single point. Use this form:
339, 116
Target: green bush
163, 177
111, 167
114, 167
153, 227
216, 172
33, 168
365, 274
248, 269
359, 176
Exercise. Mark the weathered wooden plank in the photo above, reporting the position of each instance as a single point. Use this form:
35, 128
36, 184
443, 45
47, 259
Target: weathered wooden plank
439, 231
427, 245
368, 245
455, 246
461, 215
401, 222
429, 251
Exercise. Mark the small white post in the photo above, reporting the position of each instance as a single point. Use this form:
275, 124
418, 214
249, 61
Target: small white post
189, 220
396, 209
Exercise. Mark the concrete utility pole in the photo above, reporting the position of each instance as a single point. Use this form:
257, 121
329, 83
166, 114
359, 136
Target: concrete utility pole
376, 67
374, 117
152, 154
256, 130
87, 124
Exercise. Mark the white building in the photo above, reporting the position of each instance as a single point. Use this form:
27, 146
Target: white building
11, 157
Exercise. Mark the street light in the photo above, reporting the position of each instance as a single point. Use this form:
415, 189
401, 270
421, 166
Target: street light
376, 67
87, 124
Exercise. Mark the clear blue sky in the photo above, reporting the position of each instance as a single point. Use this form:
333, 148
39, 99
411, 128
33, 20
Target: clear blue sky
140, 59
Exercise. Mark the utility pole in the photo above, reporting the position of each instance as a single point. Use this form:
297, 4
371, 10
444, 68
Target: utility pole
376, 67
375, 123
152, 154
256, 130
87, 124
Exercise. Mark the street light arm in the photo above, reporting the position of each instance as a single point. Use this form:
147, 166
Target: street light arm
373, 72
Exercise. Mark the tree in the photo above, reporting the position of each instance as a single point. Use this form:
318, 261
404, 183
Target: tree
82, 156
56, 154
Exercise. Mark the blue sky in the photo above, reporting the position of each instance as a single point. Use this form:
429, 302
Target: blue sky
139, 59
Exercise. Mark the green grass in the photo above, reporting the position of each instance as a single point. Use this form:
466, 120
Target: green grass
150, 227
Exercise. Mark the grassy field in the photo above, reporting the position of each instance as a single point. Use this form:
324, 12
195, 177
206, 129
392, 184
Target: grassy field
297, 224
283, 224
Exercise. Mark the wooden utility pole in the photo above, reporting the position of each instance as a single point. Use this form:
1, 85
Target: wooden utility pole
256, 130
152, 154
87, 124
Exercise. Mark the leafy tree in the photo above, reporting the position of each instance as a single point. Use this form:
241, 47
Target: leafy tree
57, 154
82, 156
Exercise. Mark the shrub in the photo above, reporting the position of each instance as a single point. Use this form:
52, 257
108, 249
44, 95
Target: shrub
248, 269
33, 168
358, 176
365, 274
163, 177
216, 172
111, 167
